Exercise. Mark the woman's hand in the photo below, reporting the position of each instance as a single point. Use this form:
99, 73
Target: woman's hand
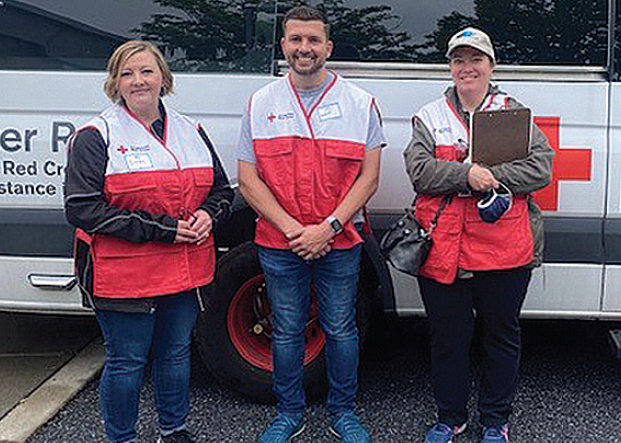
196, 229
201, 223
481, 179
184, 234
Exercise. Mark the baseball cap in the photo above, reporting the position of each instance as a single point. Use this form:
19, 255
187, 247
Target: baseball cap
473, 37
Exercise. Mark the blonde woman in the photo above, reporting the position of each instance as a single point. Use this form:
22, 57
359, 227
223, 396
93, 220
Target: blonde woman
145, 189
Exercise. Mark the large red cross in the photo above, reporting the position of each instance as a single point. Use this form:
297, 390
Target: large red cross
569, 164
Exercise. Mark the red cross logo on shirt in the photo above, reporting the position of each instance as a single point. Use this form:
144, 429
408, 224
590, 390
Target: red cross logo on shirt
271, 117
122, 149
569, 164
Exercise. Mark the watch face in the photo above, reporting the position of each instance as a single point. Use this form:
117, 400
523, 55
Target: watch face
336, 225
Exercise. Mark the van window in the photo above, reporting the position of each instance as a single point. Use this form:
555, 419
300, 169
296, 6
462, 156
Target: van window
242, 36
196, 35
543, 32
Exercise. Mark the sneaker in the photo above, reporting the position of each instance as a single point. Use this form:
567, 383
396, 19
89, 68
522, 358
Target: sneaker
182, 436
496, 434
348, 429
443, 433
282, 429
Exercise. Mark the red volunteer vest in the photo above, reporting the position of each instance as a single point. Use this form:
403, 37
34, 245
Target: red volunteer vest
461, 239
309, 161
173, 176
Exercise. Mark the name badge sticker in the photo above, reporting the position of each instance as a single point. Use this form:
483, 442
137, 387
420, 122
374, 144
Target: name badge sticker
138, 161
329, 112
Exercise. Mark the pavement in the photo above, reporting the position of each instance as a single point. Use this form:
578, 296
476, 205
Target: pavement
44, 362
569, 392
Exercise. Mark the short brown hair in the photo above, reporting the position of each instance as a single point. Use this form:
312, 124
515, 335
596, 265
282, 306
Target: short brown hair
122, 54
306, 14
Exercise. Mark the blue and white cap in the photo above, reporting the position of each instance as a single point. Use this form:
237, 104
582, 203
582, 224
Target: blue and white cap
474, 38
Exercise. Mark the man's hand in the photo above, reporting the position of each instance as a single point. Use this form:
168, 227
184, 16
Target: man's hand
313, 242
481, 179
293, 230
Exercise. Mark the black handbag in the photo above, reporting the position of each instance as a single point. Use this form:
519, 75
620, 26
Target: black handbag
406, 244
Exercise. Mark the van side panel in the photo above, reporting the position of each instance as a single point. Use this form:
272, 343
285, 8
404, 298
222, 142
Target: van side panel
612, 276
37, 117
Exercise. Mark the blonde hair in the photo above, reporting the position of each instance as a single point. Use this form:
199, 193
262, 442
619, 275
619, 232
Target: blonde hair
122, 54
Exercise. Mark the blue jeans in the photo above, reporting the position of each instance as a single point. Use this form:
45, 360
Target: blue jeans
335, 278
131, 338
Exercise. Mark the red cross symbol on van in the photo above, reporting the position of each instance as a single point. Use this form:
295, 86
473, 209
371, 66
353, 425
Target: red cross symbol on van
122, 149
569, 164
271, 117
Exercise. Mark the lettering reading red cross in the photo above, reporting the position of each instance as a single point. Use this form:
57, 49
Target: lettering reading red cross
569, 164
122, 149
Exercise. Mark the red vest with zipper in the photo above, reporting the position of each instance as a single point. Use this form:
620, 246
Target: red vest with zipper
309, 160
461, 239
171, 176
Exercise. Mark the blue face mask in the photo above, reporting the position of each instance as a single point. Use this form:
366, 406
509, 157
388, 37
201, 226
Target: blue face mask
495, 204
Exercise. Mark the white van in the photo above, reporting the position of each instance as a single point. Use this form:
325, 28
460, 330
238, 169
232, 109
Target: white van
52, 56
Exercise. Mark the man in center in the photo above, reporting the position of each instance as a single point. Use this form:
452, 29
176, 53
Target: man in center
309, 160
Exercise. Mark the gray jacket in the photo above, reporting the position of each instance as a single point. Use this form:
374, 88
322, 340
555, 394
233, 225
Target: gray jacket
437, 177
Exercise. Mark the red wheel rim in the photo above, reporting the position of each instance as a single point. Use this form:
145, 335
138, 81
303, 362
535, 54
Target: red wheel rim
249, 312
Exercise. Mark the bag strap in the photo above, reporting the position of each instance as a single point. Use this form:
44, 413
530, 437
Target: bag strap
434, 222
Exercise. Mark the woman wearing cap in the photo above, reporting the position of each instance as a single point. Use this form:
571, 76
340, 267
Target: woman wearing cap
474, 265
144, 186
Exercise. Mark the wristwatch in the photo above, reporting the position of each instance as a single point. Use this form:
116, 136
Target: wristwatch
335, 224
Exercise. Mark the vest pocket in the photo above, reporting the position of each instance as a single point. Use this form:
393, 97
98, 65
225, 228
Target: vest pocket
275, 160
128, 269
202, 180
506, 242
129, 183
137, 191
342, 164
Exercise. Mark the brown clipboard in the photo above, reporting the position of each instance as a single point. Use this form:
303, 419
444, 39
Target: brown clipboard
500, 136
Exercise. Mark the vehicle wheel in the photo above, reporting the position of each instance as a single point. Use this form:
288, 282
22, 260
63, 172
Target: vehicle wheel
234, 333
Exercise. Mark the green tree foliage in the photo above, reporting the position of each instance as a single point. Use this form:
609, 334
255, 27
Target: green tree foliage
368, 33
237, 34
435, 45
208, 34
531, 31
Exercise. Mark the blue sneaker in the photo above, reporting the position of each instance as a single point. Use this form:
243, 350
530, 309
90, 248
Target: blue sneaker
348, 429
496, 434
282, 429
443, 433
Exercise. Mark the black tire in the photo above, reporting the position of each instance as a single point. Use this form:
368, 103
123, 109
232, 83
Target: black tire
233, 341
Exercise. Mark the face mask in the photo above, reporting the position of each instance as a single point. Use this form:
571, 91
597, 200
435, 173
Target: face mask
495, 204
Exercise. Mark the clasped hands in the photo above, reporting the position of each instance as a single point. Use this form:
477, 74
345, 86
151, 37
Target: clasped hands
311, 242
196, 229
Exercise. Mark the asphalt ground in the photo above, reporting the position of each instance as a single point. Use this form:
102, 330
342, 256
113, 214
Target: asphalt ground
569, 392
33, 347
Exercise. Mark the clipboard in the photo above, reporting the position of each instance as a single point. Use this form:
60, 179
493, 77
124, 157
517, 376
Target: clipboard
500, 136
